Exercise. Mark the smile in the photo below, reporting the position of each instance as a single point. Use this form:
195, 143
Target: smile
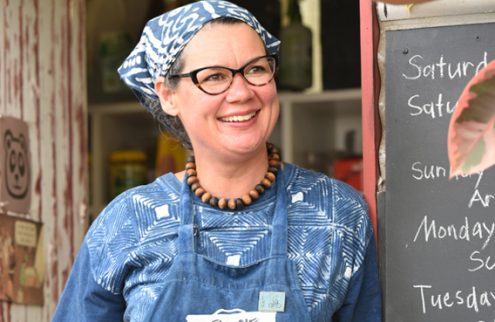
238, 118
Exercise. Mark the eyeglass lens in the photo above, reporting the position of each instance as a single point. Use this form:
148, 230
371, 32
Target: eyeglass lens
215, 80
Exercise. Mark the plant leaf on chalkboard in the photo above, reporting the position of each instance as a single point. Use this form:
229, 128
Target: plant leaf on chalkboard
471, 138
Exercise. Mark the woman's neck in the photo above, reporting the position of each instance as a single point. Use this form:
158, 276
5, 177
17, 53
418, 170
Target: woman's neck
231, 178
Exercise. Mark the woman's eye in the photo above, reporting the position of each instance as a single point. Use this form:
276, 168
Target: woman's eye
214, 77
256, 69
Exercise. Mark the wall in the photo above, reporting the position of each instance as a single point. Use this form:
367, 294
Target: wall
42, 81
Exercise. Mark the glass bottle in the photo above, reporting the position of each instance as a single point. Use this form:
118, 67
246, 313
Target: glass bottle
109, 42
296, 52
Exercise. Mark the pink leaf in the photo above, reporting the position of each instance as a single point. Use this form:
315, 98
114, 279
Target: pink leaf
471, 139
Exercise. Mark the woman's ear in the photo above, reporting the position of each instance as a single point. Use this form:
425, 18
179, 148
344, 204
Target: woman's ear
166, 95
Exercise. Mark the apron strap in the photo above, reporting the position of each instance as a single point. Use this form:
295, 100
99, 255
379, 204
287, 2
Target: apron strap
186, 228
280, 218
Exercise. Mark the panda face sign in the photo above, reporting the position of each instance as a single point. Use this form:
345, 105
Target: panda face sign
16, 165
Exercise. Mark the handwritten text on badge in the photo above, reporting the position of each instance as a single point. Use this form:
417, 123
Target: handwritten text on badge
235, 315
271, 301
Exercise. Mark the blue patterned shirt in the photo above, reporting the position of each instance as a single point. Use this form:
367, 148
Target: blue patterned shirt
127, 253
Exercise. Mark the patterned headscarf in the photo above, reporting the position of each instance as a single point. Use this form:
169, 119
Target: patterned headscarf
164, 37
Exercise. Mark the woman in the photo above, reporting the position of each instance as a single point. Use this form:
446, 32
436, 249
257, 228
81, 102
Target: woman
238, 234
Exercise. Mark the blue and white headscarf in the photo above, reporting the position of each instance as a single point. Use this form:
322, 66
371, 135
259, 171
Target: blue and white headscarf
164, 37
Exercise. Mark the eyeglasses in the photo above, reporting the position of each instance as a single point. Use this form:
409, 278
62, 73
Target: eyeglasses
215, 80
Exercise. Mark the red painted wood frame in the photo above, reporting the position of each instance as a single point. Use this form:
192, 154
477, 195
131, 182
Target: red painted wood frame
370, 89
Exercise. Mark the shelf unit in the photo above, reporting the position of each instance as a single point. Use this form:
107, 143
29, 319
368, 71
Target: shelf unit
312, 130
318, 123
116, 126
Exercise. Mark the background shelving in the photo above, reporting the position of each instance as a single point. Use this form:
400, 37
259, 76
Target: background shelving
312, 132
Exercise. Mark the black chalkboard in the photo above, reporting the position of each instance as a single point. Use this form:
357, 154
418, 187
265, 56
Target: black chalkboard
438, 236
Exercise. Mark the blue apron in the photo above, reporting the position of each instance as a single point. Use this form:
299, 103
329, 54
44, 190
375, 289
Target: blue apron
198, 289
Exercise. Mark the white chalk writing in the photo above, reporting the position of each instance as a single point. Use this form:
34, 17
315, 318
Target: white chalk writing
442, 69
422, 171
433, 109
482, 261
471, 299
430, 230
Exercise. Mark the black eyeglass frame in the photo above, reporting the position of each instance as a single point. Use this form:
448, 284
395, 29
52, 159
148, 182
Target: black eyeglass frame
193, 74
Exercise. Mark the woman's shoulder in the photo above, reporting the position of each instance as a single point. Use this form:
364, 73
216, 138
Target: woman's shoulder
339, 201
140, 208
137, 225
298, 177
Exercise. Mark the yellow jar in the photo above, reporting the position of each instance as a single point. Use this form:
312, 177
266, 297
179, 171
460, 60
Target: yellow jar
127, 170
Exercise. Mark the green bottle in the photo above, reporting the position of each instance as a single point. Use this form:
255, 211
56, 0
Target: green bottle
296, 52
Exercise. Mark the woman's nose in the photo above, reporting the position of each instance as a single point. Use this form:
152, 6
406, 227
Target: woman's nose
239, 89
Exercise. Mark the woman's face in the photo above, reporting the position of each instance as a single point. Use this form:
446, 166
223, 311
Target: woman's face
238, 121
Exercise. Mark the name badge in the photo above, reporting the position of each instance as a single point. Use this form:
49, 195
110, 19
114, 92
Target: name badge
271, 301
235, 315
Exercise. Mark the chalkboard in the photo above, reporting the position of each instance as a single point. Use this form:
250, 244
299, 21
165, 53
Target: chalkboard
438, 234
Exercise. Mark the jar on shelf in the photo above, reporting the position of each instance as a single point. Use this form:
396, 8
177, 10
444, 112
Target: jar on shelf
127, 170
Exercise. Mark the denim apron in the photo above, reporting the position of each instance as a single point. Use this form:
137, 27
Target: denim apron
197, 289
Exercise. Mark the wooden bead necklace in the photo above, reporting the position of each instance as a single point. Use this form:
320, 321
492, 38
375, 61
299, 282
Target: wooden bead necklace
192, 180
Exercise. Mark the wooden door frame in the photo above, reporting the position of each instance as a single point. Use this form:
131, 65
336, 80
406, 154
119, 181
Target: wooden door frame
370, 89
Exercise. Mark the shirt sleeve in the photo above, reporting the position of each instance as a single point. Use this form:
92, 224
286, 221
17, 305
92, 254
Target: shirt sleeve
363, 300
84, 300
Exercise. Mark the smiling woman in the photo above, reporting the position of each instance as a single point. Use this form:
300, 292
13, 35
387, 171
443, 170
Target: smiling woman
207, 115
225, 238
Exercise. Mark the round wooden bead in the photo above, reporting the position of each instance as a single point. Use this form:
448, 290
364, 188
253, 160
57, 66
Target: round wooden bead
222, 203
246, 199
190, 165
214, 201
254, 194
191, 172
199, 192
195, 186
206, 197
266, 183
231, 204
275, 156
259, 188
273, 170
270, 176
192, 179
274, 163
239, 204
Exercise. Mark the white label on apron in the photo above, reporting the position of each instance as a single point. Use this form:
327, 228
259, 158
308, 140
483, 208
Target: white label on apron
234, 260
233, 316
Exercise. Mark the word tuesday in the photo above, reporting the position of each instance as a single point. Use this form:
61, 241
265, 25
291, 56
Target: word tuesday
472, 299
442, 69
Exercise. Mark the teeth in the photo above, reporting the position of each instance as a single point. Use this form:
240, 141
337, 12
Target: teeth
238, 118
